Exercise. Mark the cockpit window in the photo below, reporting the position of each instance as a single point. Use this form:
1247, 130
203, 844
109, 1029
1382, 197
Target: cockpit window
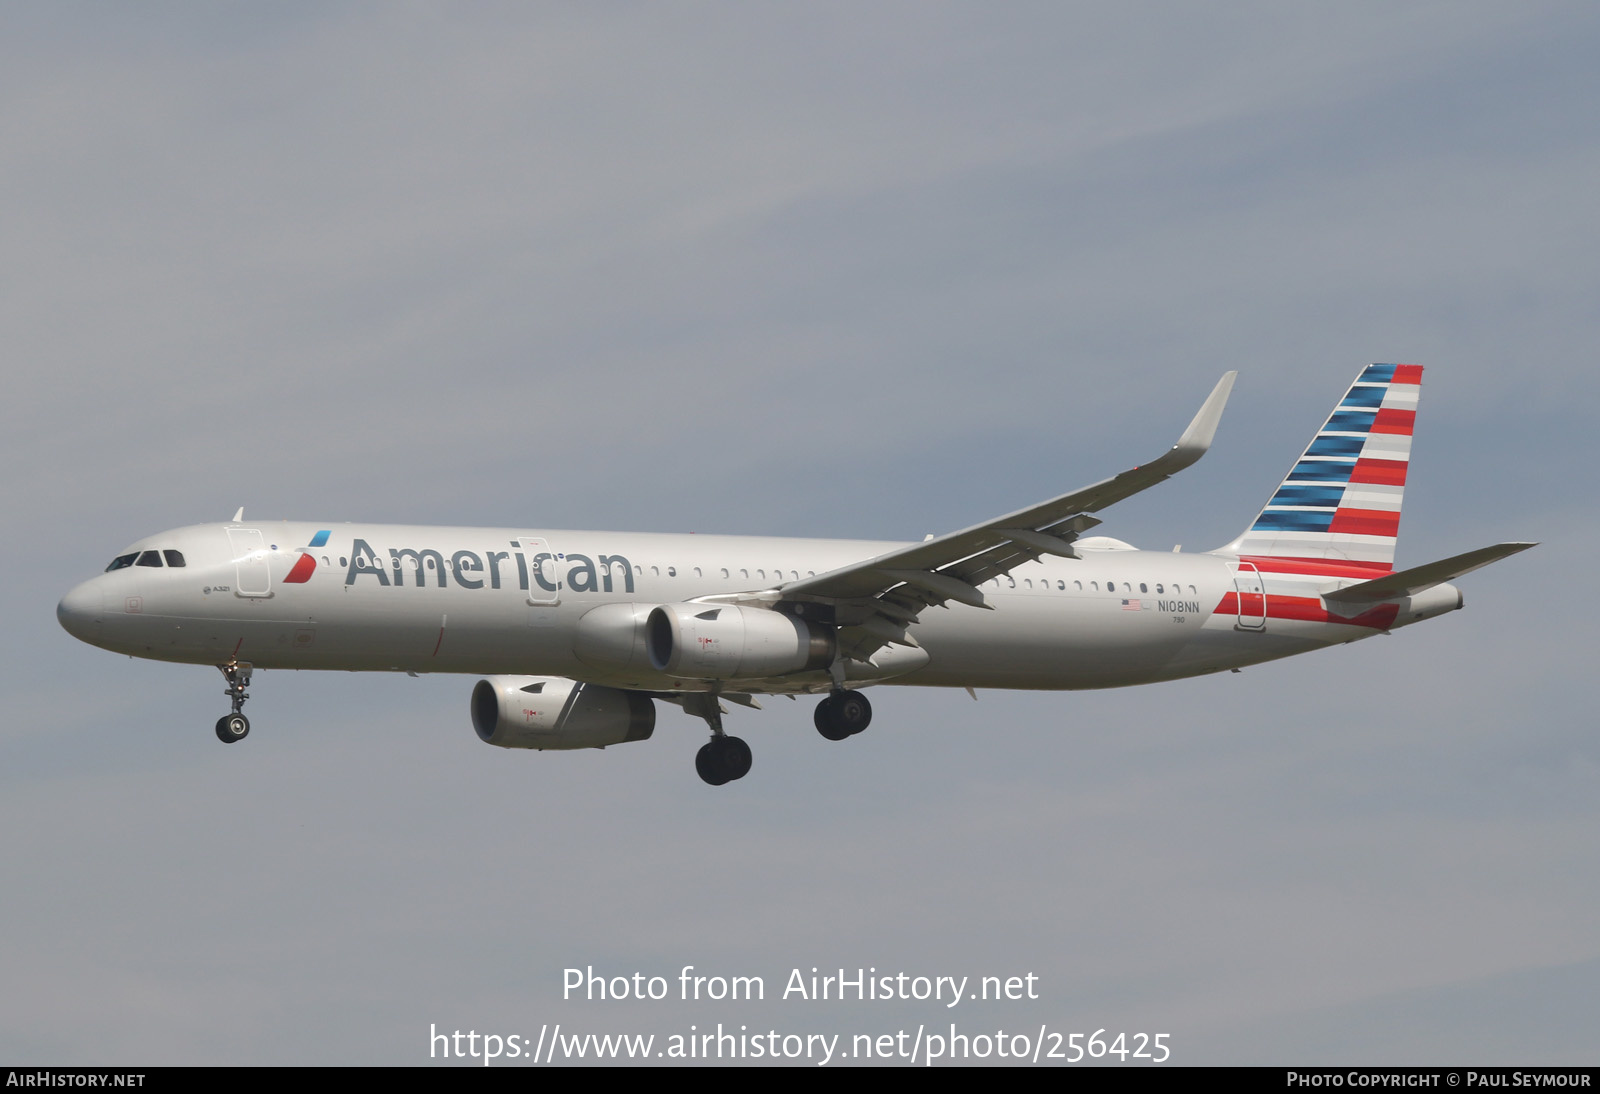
174, 558
122, 560
149, 558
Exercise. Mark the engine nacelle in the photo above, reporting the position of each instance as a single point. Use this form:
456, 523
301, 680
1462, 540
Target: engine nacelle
553, 712
712, 642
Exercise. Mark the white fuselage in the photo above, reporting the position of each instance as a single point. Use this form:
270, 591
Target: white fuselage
482, 600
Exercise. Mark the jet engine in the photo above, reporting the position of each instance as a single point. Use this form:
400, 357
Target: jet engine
552, 712
705, 642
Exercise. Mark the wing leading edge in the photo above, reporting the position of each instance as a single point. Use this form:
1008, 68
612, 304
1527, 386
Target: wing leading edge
876, 599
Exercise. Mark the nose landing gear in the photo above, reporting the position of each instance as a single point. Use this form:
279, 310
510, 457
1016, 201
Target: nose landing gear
235, 727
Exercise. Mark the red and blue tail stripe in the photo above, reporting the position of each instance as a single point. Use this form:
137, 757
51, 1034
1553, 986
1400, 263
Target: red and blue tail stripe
1341, 499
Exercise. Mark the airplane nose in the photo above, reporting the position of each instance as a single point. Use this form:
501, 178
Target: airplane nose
80, 611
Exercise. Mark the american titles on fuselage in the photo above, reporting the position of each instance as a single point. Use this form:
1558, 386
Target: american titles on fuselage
472, 570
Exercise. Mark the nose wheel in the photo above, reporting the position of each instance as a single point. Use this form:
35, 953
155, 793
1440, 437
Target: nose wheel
235, 727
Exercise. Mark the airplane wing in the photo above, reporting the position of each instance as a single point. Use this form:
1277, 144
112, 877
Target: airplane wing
875, 600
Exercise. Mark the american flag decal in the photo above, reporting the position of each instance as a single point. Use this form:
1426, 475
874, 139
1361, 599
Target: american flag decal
1132, 606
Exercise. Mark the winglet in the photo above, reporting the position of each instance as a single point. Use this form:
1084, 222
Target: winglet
239, 516
1197, 438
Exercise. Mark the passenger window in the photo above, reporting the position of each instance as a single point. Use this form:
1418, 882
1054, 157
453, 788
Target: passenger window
1143, 588
149, 558
122, 561
1061, 585
1159, 589
174, 558
672, 571
1079, 585
724, 571
1095, 585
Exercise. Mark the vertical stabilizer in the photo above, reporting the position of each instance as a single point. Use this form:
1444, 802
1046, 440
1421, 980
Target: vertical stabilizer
1341, 500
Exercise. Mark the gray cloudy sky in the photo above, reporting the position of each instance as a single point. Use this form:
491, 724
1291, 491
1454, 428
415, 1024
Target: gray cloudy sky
846, 270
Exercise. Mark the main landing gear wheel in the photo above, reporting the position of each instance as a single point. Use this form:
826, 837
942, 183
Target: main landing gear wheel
823, 719
842, 714
232, 727
722, 760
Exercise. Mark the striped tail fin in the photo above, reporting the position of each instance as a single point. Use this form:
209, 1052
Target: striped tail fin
1341, 500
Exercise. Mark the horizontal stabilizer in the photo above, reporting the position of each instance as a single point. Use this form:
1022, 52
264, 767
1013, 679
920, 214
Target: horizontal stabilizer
1403, 583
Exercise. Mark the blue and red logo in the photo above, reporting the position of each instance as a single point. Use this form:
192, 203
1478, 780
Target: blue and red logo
306, 564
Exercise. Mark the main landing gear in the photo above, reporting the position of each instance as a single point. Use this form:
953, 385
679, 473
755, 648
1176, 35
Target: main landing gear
235, 727
842, 714
723, 758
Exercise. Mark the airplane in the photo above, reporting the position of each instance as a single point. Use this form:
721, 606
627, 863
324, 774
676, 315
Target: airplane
578, 635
